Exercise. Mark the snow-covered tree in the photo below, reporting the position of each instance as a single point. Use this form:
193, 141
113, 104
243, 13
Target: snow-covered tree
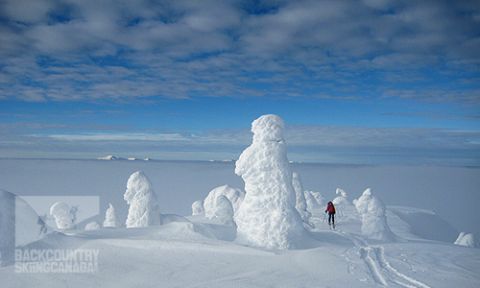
301, 203
110, 217
234, 195
197, 208
92, 226
267, 217
344, 208
64, 215
223, 211
314, 202
143, 210
374, 220
466, 239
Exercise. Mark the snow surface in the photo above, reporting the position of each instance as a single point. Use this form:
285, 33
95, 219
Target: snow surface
143, 210
110, 217
267, 217
234, 195
374, 220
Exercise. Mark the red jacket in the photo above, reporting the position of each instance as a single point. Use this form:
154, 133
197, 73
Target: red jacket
330, 208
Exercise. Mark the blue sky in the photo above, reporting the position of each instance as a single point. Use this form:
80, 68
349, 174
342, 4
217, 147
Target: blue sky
373, 81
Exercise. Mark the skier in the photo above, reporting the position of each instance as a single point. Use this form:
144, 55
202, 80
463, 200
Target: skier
331, 214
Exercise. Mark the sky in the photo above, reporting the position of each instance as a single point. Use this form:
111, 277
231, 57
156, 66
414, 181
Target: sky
357, 82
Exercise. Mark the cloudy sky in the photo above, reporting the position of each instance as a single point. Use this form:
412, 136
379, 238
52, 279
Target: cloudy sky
373, 81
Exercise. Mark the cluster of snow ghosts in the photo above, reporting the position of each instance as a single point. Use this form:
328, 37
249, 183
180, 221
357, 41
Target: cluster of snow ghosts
143, 210
267, 216
374, 222
466, 239
64, 215
344, 208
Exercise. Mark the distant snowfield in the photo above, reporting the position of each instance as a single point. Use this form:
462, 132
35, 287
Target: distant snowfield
200, 253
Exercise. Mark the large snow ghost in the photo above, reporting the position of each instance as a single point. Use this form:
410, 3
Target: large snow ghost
267, 217
300, 203
64, 215
143, 210
223, 211
197, 208
234, 195
374, 221
110, 217
466, 239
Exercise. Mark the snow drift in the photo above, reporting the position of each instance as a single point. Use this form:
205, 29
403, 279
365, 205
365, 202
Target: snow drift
143, 210
267, 217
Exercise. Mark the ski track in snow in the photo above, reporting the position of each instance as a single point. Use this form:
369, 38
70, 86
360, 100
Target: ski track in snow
380, 269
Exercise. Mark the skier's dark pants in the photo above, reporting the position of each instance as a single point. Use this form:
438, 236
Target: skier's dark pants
331, 218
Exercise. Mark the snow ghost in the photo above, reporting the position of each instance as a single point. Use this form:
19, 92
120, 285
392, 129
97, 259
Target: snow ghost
374, 220
314, 202
92, 226
223, 211
110, 217
197, 208
301, 203
267, 217
466, 239
343, 207
64, 215
143, 210
234, 195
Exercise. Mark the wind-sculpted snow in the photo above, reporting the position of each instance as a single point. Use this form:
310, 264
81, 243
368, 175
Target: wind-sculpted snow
301, 202
63, 215
234, 195
110, 217
197, 208
143, 210
374, 220
466, 239
267, 217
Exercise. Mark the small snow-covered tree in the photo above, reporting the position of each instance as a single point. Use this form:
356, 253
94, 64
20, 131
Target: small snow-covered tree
300, 203
344, 208
267, 217
234, 195
466, 239
314, 202
143, 210
110, 217
223, 211
64, 216
92, 226
374, 220
197, 208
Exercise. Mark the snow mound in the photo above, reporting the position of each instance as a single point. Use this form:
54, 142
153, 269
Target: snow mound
110, 217
143, 210
234, 195
19, 225
197, 208
301, 202
374, 220
64, 215
466, 239
267, 217
223, 211
92, 226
